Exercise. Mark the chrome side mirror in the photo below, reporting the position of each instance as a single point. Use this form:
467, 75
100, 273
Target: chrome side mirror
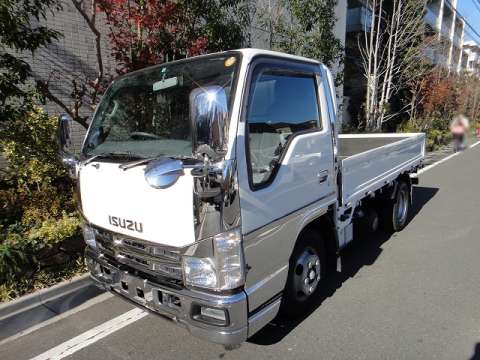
64, 140
163, 173
209, 114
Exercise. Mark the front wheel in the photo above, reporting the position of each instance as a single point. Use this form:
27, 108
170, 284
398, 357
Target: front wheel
306, 273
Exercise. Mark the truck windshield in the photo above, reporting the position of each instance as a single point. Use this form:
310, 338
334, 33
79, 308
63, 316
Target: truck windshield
149, 112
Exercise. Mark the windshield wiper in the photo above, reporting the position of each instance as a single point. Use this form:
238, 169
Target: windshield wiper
110, 155
136, 163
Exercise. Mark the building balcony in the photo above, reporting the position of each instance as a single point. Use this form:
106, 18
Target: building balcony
429, 54
440, 59
446, 29
431, 18
457, 40
359, 19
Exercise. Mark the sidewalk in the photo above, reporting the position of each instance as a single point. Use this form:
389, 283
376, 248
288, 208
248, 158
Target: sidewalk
444, 151
32, 309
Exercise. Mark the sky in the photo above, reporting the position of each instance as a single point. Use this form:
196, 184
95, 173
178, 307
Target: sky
471, 13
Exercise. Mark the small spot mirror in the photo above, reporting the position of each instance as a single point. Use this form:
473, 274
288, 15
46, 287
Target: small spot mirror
163, 173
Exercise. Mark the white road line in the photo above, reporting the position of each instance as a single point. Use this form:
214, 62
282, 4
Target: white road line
96, 300
93, 335
473, 145
426, 168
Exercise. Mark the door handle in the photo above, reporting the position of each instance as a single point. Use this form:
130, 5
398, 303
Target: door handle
322, 176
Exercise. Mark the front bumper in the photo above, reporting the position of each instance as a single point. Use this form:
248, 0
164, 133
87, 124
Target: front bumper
181, 306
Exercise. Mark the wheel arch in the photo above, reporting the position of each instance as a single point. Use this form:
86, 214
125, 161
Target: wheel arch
405, 177
325, 225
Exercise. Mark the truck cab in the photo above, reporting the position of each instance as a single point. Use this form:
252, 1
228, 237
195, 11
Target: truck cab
216, 192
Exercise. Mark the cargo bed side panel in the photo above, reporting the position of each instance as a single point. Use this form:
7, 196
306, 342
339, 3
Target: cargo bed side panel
370, 170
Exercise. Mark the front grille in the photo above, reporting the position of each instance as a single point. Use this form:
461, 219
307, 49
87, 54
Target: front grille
140, 254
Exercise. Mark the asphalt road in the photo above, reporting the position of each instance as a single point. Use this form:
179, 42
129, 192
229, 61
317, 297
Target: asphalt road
411, 295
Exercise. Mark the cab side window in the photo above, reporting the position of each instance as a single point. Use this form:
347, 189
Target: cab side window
280, 105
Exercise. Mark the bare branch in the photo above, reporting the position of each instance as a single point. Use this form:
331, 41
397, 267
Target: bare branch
91, 22
73, 113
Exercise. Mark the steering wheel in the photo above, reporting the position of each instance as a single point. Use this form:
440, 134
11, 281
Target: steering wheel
137, 135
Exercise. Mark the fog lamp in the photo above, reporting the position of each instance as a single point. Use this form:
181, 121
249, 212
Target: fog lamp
210, 315
218, 314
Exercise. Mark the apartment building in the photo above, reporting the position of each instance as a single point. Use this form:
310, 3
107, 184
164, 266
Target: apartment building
444, 34
471, 57
442, 25
446, 29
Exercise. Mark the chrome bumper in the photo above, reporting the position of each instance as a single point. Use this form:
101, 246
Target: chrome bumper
181, 306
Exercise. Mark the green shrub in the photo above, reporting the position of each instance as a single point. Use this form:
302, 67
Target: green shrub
52, 231
39, 225
13, 255
435, 129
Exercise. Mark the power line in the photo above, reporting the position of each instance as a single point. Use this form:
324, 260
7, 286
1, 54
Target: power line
477, 4
467, 23
472, 30
463, 18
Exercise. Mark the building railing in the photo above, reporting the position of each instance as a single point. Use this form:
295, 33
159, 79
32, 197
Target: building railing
359, 19
431, 18
457, 40
446, 28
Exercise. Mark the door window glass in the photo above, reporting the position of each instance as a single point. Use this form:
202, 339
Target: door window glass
280, 105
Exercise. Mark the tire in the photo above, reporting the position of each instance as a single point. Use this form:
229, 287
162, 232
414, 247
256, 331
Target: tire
306, 274
396, 212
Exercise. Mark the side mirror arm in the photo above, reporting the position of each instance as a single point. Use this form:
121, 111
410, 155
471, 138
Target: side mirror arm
212, 180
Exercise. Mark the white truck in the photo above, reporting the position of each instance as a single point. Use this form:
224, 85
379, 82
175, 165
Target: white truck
216, 191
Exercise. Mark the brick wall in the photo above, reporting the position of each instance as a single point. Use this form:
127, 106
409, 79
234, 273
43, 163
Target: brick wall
72, 56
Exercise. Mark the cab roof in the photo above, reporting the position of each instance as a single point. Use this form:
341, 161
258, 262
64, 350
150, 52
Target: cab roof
249, 53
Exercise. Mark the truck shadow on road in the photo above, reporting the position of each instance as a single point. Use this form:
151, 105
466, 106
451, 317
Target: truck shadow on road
364, 250
476, 352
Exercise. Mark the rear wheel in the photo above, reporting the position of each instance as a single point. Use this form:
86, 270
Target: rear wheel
396, 212
306, 273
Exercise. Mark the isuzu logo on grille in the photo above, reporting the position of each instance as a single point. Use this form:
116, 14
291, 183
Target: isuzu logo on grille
125, 224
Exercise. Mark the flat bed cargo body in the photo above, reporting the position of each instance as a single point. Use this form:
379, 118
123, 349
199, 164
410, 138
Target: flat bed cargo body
369, 161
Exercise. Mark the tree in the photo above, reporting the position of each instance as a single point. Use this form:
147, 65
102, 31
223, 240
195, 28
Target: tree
86, 88
147, 32
391, 50
271, 14
19, 32
303, 27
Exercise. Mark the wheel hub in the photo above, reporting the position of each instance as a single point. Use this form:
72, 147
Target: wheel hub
402, 206
307, 273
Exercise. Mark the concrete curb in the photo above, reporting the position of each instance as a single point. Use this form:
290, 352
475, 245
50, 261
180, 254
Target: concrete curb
40, 297
29, 311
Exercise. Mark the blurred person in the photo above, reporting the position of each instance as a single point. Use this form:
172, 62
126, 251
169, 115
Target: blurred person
459, 127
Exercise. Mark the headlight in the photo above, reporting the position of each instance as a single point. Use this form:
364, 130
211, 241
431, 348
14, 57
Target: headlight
225, 271
199, 272
89, 236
